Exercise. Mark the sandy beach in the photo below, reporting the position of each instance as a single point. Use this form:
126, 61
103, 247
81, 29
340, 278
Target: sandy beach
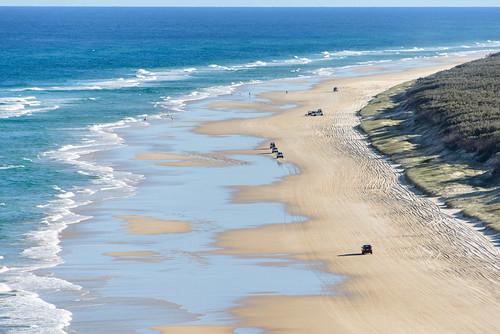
430, 272
151, 226
140, 193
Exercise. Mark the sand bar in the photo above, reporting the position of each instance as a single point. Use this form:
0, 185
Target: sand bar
142, 225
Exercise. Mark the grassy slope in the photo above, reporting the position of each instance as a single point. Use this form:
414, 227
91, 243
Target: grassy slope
463, 180
463, 106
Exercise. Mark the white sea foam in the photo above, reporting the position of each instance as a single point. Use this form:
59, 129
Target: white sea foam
296, 60
23, 305
395, 51
170, 75
381, 61
143, 76
324, 71
24, 312
177, 104
2, 167
344, 53
488, 44
414, 49
259, 63
220, 67
30, 281
45, 240
4, 288
101, 137
238, 67
22, 105
140, 77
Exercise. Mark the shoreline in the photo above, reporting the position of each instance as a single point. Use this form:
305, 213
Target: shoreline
191, 186
201, 160
264, 239
112, 202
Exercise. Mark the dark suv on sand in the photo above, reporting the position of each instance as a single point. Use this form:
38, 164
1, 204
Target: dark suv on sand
366, 249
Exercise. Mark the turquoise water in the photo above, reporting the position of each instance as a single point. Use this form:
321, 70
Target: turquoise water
75, 83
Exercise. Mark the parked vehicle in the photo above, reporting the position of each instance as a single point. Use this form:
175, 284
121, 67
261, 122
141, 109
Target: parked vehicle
279, 155
366, 249
272, 145
318, 112
275, 150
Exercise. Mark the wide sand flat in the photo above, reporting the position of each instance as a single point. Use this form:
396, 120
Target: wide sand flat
430, 273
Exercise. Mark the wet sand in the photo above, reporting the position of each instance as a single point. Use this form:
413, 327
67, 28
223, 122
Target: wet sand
185, 269
141, 225
191, 160
430, 272
194, 329
131, 254
236, 242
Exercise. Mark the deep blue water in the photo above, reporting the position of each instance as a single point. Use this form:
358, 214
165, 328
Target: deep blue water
54, 44
63, 70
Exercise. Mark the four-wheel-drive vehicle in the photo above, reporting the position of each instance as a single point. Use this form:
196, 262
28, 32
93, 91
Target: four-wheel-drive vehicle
272, 145
366, 249
275, 150
279, 155
318, 112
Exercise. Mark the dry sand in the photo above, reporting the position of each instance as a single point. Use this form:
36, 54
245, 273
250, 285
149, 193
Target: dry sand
142, 225
430, 273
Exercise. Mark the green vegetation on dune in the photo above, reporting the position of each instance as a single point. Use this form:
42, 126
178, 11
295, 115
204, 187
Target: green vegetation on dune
463, 105
445, 132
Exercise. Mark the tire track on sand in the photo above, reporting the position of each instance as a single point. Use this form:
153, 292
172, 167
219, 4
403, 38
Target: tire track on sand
468, 252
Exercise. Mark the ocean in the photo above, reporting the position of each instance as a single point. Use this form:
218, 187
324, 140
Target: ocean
73, 80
